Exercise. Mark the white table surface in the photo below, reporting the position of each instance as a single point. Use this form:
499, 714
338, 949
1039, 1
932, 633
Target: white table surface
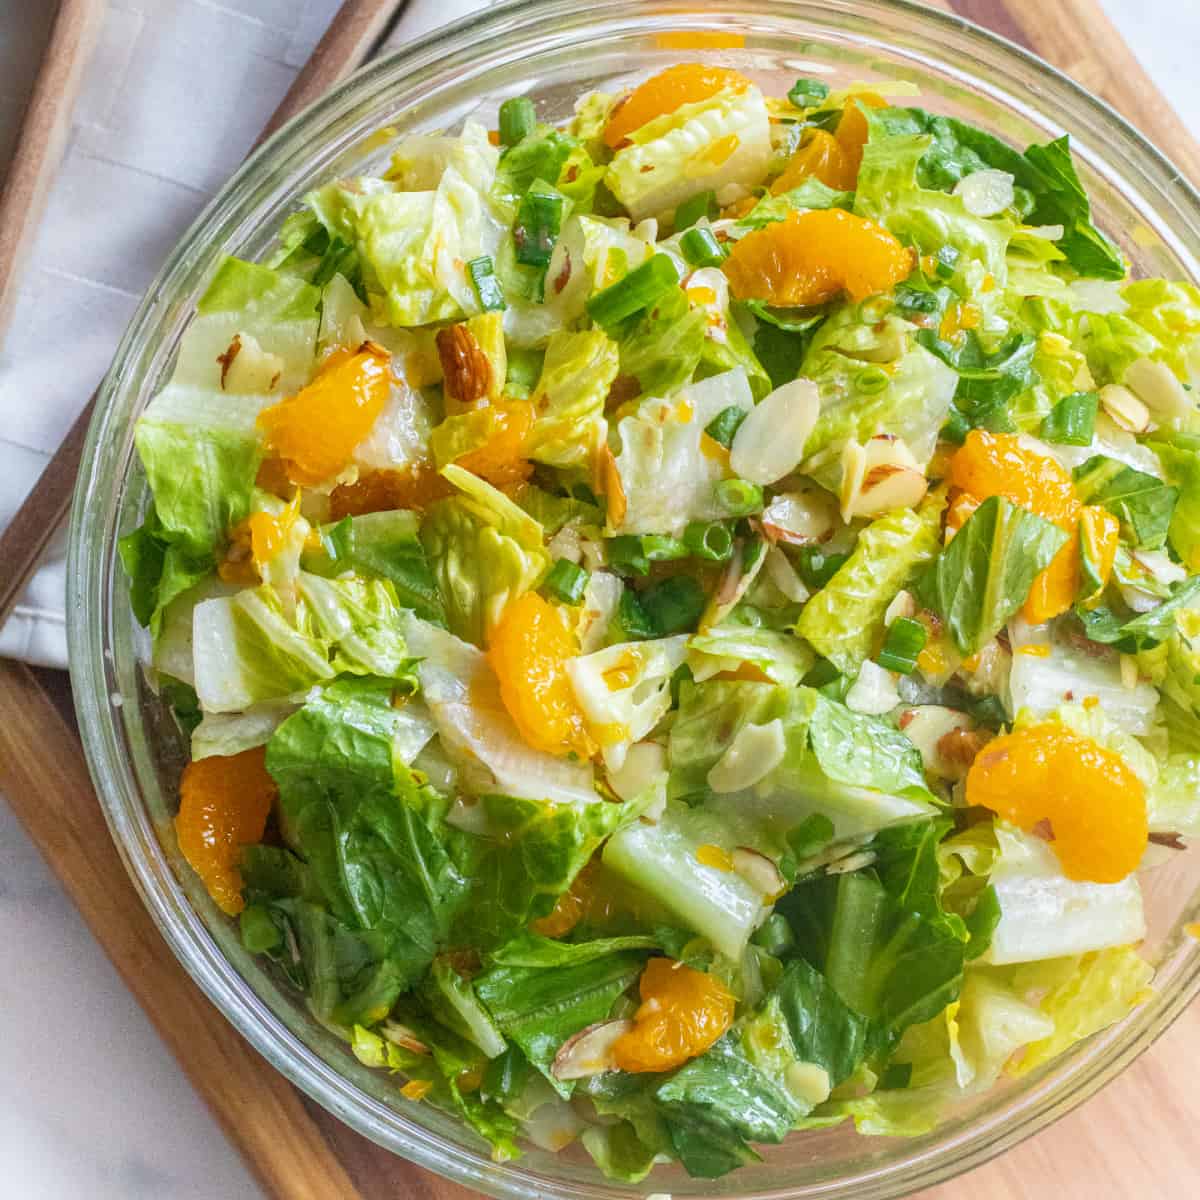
91, 1103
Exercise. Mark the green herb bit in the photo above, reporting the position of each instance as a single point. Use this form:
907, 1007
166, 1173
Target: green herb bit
517, 120
487, 287
725, 424
702, 204
633, 619
701, 248
635, 292
904, 642
739, 497
817, 568
566, 582
259, 932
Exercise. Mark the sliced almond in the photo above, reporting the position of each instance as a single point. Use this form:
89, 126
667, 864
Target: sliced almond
590, 1051
1125, 408
887, 487
800, 517
1155, 385
888, 450
769, 443
784, 576
753, 754
248, 369
401, 1035
926, 726
902, 605
873, 692
808, 1082
854, 467
759, 872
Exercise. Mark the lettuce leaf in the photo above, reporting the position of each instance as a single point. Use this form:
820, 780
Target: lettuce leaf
484, 550
1179, 454
672, 157
781, 657
984, 575
667, 479
569, 427
844, 618
1142, 503
540, 993
360, 619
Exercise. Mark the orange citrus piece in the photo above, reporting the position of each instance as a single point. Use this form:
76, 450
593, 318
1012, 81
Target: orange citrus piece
814, 256
853, 131
500, 460
820, 156
683, 1012
316, 430
686, 83
223, 805
1094, 804
996, 464
570, 908
382, 491
530, 648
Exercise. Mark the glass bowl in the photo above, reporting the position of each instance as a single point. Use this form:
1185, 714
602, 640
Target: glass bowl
554, 50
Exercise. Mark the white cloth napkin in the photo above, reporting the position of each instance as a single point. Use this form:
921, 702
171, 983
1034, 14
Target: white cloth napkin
173, 97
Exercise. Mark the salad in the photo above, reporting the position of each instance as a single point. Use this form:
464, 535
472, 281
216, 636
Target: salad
686, 623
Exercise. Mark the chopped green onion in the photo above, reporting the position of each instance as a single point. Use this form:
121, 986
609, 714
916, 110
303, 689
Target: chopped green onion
674, 605
904, 642
633, 619
739, 497
636, 291
632, 553
517, 120
870, 381
487, 287
775, 935
702, 204
566, 582
817, 568
539, 221
947, 259
1072, 421
725, 424
825, 678
911, 299
710, 540
701, 248
807, 93
259, 932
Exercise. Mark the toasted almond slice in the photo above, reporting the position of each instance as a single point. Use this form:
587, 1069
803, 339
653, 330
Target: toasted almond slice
887, 487
1155, 385
927, 727
590, 1051
769, 443
401, 1035
759, 872
903, 605
1125, 408
807, 515
854, 467
753, 754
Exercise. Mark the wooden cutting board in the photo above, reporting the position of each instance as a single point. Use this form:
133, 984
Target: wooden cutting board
1133, 1140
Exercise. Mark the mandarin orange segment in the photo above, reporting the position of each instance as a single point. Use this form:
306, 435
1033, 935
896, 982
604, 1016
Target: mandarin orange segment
570, 908
316, 430
224, 803
416, 487
853, 131
683, 1012
813, 256
500, 460
996, 464
530, 648
820, 156
1083, 797
686, 83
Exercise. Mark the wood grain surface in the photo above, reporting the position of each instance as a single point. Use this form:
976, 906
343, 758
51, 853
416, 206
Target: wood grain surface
1134, 1140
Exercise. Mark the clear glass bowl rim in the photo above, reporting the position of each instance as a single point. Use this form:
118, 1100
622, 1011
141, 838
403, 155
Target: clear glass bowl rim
90, 627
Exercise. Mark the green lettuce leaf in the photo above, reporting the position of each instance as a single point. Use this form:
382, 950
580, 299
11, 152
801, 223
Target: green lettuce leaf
569, 426
360, 619
987, 383
984, 575
1142, 503
1179, 454
382, 545
539, 1004
665, 345
845, 617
